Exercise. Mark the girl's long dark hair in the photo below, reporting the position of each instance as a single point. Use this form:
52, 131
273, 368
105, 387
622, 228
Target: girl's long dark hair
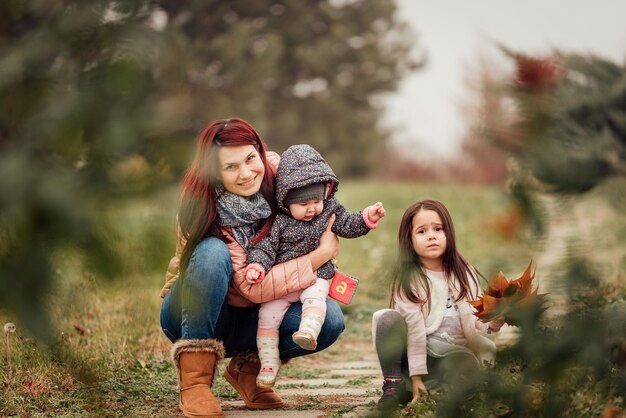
197, 213
409, 273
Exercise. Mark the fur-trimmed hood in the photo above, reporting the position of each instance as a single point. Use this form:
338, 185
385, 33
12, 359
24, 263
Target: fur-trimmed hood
301, 165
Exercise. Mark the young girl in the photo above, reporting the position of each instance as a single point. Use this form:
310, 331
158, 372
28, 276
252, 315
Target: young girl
432, 331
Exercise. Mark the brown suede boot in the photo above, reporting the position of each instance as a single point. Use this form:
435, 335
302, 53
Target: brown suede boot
241, 373
196, 365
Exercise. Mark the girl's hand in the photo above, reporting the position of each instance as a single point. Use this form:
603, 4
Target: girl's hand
418, 387
376, 211
495, 324
328, 248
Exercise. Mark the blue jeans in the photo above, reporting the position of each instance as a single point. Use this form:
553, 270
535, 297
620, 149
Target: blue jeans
196, 307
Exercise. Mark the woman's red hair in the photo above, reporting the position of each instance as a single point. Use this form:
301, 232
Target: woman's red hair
197, 215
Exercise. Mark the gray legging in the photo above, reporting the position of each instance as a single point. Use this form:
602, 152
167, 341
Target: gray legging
389, 333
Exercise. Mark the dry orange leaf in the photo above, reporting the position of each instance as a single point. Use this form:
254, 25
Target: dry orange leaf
502, 295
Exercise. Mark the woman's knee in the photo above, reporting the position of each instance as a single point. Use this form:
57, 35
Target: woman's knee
211, 258
334, 323
213, 249
207, 277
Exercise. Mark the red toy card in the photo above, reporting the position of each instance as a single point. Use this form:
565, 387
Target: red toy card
343, 287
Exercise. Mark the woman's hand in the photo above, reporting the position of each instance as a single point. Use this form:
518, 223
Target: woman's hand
418, 387
328, 248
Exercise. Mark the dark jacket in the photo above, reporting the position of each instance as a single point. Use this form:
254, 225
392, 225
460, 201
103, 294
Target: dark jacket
301, 165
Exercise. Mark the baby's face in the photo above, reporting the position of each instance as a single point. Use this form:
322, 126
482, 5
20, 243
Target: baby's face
305, 211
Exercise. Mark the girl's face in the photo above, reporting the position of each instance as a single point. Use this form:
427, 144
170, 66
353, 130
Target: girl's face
241, 169
428, 238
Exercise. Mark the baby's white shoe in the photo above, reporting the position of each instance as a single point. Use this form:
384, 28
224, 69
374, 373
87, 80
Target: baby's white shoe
270, 360
310, 327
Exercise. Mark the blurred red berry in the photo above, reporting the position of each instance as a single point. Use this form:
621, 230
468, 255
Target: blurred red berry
537, 74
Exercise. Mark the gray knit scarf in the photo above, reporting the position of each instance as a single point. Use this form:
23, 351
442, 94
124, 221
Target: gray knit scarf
241, 214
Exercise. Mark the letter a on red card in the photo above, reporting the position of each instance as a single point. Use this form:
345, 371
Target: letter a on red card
343, 287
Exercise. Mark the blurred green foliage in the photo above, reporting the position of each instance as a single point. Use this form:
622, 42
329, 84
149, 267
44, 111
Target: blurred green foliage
101, 100
570, 365
585, 139
565, 127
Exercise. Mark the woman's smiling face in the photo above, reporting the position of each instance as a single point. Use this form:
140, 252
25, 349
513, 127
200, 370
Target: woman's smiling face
241, 169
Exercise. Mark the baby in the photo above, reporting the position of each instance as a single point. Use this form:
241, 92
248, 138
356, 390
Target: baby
305, 189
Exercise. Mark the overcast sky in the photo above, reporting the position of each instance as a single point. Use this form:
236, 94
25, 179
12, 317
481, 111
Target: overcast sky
456, 33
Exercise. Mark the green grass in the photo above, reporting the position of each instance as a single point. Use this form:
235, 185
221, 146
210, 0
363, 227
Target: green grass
360, 381
109, 356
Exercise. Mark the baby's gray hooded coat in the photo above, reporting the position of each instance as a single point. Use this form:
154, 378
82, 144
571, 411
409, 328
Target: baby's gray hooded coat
301, 165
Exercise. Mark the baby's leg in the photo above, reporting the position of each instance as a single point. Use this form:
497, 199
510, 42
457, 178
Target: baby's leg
270, 316
313, 300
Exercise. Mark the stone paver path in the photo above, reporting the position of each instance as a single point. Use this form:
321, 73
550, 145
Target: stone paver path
344, 388
324, 384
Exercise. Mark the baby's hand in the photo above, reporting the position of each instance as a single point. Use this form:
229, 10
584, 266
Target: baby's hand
376, 211
252, 276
